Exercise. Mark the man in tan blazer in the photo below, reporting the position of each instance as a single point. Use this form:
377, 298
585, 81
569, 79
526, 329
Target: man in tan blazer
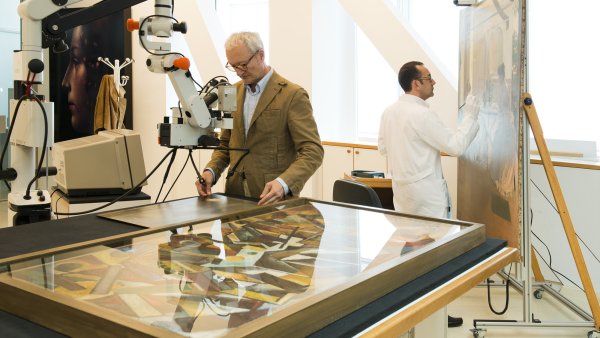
274, 121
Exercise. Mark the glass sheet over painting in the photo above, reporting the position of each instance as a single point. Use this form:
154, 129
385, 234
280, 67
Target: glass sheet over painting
263, 274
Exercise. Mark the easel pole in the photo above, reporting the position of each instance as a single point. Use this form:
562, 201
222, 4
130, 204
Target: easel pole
536, 128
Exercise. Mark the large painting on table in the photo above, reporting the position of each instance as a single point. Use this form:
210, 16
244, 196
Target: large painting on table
490, 187
264, 274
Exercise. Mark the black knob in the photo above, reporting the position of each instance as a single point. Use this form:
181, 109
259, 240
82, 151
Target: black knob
180, 27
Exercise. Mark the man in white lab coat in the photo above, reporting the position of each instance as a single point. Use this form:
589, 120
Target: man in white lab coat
412, 136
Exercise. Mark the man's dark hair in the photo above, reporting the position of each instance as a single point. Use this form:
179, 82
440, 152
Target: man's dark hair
409, 72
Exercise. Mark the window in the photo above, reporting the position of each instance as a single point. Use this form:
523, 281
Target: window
376, 88
563, 68
437, 23
244, 15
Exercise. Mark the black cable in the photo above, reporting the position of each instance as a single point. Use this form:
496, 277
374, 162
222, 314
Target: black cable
127, 193
213, 83
543, 243
177, 178
232, 170
549, 256
10, 130
558, 272
56, 204
41, 161
45, 273
128, 160
548, 264
196, 82
507, 295
194, 165
166, 174
544, 195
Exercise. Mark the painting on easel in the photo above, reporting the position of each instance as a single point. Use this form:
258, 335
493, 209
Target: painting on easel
491, 67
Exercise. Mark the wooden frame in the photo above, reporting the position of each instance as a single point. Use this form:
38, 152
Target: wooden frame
321, 303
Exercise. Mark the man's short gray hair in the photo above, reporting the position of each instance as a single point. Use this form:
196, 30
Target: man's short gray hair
249, 39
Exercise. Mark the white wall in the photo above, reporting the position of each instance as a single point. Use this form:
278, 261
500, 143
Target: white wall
581, 190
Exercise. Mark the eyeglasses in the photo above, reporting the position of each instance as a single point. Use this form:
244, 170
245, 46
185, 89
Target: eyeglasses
242, 67
429, 78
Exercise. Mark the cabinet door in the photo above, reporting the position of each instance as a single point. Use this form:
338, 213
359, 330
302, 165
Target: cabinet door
369, 159
337, 161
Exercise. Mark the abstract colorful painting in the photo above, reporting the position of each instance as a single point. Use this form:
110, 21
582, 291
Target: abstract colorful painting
219, 277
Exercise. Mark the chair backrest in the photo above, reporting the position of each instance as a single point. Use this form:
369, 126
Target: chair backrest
349, 191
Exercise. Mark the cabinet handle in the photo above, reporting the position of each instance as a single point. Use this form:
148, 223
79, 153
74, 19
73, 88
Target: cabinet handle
348, 151
356, 152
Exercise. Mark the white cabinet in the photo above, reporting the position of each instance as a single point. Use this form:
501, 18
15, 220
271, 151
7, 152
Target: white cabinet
342, 159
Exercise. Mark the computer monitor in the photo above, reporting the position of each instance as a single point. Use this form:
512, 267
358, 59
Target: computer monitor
109, 163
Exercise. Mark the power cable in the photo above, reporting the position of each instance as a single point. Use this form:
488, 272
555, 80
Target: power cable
127, 193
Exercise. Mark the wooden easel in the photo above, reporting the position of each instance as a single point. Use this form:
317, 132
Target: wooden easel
536, 129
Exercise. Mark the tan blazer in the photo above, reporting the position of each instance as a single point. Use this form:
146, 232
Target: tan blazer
110, 106
283, 140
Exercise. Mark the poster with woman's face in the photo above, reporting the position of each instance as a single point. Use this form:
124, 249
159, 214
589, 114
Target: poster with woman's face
76, 74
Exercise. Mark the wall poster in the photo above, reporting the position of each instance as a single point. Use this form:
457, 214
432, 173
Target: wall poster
75, 75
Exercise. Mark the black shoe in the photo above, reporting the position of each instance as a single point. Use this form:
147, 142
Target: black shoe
454, 321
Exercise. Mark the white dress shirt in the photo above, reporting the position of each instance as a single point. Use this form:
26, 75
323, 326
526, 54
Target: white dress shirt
251, 99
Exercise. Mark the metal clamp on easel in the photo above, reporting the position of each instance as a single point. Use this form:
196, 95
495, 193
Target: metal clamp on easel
116, 67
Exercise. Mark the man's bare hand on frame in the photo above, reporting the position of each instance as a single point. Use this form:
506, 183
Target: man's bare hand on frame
204, 184
273, 192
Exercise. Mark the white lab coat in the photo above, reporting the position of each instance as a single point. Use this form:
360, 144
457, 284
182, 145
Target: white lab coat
411, 135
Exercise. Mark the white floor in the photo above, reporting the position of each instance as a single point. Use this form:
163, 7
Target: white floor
474, 305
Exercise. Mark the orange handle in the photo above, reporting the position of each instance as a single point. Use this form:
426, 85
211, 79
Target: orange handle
132, 25
182, 63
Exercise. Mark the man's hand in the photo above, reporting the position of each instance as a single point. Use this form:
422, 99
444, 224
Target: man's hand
472, 104
204, 184
272, 193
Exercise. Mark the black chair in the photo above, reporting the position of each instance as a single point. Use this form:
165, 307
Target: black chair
349, 191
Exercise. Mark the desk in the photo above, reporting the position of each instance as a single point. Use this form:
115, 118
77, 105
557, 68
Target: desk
360, 297
382, 186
